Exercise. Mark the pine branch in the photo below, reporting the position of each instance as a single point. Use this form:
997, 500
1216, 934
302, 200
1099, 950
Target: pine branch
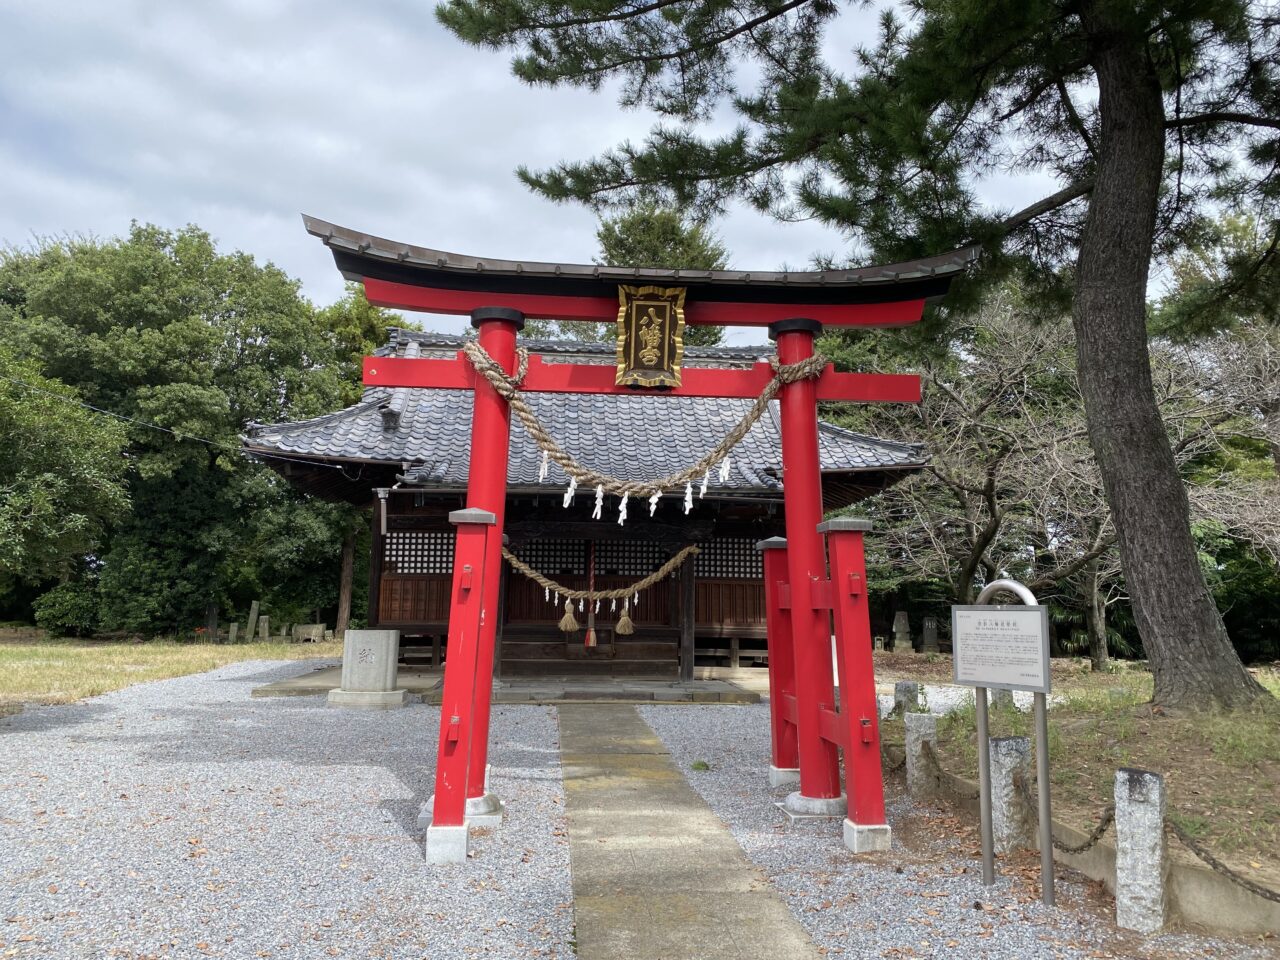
1060, 199
1222, 116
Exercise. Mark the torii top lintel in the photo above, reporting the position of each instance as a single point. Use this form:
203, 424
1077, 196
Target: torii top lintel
406, 277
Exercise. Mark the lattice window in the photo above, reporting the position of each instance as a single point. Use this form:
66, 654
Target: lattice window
550, 557
415, 551
631, 558
729, 560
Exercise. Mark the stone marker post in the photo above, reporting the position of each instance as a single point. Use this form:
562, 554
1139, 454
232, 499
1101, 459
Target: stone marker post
1140, 863
252, 627
232, 631
369, 662
877, 642
1011, 826
929, 636
264, 628
906, 697
922, 728
901, 632
1001, 699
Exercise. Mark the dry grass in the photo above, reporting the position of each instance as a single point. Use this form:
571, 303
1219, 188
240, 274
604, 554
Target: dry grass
61, 671
1222, 770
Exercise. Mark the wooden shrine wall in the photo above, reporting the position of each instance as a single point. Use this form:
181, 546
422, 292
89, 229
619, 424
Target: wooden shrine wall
415, 580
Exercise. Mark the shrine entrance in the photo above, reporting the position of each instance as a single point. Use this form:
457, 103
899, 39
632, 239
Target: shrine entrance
814, 577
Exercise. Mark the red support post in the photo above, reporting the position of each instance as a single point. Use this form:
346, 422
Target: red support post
447, 833
784, 767
487, 490
819, 792
865, 827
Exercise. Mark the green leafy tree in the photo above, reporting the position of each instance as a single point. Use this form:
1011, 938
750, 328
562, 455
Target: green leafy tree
1141, 112
357, 328
651, 236
161, 327
61, 474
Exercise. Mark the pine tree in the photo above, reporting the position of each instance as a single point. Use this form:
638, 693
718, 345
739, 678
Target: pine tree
1140, 111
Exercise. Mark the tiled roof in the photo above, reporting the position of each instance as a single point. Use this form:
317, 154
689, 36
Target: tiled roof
632, 437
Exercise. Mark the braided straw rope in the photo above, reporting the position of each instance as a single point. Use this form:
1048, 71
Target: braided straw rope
509, 389
620, 593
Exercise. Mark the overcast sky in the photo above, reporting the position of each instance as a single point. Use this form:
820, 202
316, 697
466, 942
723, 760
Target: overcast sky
242, 114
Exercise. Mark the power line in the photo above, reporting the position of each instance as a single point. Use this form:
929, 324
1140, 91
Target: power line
175, 433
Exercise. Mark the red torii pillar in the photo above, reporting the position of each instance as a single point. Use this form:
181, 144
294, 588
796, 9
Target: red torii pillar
462, 796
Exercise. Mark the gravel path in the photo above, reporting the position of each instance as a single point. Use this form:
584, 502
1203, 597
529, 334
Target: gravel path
185, 819
925, 899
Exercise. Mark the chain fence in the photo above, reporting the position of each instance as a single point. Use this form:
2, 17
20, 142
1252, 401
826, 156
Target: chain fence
1107, 818
1216, 865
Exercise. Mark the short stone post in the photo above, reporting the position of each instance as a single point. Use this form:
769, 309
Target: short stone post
906, 697
922, 728
901, 631
1140, 861
1001, 699
264, 628
252, 627
370, 659
1011, 819
232, 632
929, 636
877, 642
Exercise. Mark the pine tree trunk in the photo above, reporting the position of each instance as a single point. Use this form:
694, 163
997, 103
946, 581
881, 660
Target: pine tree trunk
344, 583
1182, 632
1095, 618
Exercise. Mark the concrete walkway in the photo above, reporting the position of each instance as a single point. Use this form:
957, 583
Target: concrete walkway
656, 875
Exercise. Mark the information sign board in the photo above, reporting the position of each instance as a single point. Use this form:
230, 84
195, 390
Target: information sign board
1006, 647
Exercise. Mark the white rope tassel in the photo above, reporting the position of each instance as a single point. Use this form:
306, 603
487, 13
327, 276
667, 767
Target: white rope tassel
688, 497
546, 465
595, 514
724, 470
622, 509
706, 478
653, 502
573, 488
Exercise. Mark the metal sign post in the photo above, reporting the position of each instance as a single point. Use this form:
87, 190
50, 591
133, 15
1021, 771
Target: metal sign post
1007, 647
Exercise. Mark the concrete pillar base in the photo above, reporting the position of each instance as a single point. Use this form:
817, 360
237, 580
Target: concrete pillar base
483, 811
368, 699
783, 776
867, 838
446, 844
800, 809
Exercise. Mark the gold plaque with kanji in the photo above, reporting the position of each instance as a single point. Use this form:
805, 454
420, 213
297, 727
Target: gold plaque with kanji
650, 336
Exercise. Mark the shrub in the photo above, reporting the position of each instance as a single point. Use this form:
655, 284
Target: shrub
69, 609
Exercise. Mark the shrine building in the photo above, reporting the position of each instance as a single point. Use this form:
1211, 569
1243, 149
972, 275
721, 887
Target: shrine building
405, 452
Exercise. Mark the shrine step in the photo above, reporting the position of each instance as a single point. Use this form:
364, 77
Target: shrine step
660, 669
622, 649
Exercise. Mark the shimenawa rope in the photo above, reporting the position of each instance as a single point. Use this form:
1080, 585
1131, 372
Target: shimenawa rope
508, 387
569, 623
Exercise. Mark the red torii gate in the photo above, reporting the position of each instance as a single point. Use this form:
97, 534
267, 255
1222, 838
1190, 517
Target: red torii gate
801, 599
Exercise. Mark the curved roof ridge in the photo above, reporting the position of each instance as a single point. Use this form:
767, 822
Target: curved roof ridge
380, 248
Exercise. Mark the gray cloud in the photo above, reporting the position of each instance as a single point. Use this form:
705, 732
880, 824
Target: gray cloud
240, 115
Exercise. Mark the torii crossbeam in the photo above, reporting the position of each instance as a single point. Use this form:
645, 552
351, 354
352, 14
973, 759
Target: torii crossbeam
815, 575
